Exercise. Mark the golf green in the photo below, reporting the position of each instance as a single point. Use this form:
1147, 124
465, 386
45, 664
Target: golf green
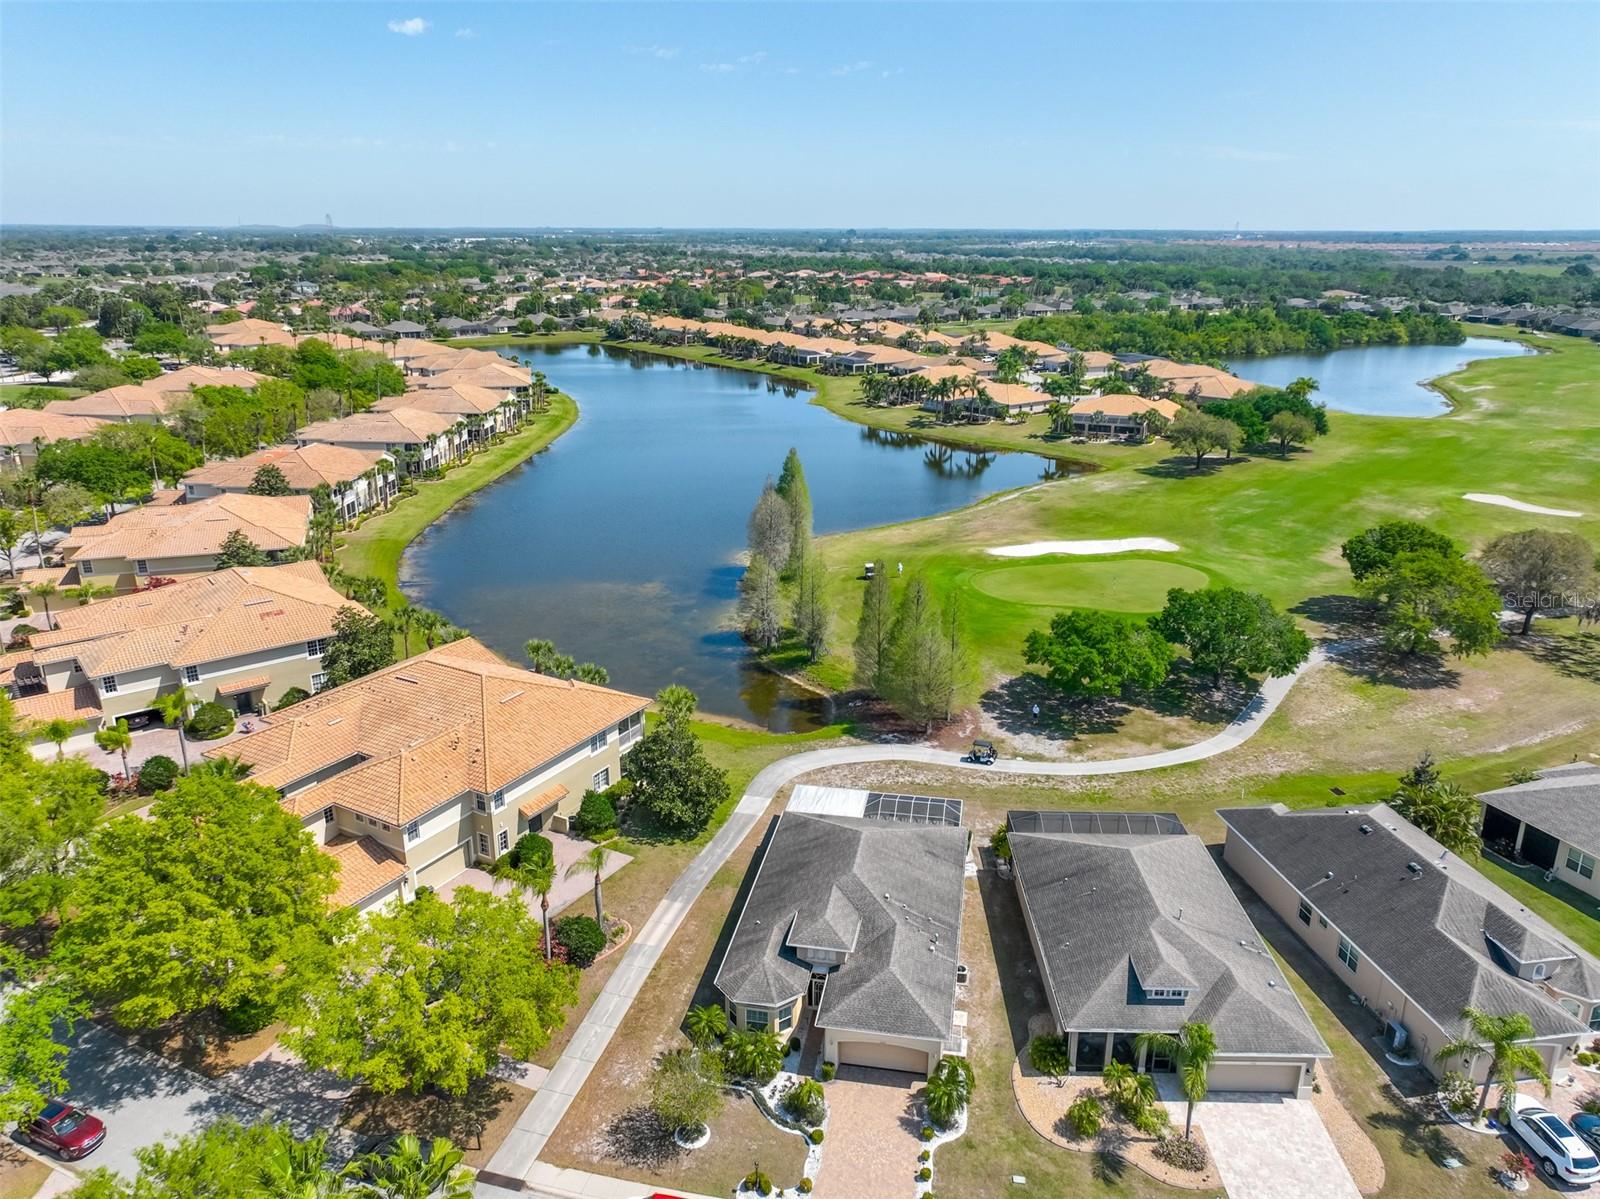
1114, 584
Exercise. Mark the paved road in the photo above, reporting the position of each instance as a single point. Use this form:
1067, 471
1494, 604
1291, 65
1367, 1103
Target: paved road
517, 1157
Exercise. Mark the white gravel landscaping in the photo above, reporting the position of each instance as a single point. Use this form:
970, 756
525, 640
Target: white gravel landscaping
1114, 545
1503, 501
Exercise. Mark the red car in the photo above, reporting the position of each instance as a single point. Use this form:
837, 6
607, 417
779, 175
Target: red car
69, 1132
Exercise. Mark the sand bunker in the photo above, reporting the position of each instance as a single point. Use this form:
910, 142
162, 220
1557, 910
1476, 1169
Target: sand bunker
1121, 545
1501, 501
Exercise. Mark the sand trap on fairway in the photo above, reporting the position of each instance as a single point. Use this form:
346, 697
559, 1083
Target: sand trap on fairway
1501, 501
1120, 545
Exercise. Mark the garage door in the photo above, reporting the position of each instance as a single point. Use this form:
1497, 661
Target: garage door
1283, 1077
446, 866
883, 1057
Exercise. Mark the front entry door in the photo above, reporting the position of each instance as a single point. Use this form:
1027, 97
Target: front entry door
814, 994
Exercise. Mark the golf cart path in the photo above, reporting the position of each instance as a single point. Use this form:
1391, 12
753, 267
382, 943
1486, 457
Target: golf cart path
517, 1157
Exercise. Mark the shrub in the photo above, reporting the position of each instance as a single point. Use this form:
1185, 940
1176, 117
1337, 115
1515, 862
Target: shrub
925, 1155
156, 773
1585, 1058
210, 721
1152, 1121
816, 1136
291, 697
596, 816
247, 1017
804, 1186
532, 848
794, 1044
1181, 1153
1457, 1093
924, 1174
1085, 1115
803, 1100
1050, 1055
927, 1132
828, 1071
582, 938
759, 1182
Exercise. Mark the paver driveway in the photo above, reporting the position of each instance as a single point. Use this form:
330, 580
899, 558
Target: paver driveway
1271, 1147
873, 1126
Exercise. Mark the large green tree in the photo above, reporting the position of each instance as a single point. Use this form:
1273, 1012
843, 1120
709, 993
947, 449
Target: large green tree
1421, 592
432, 995
361, 643
797, 496
1372, 550
921, 672
673, 781
1538, 570
47, 810
35, 1018
218, 899
873, 632
1230, 632
1088, 653
238, 550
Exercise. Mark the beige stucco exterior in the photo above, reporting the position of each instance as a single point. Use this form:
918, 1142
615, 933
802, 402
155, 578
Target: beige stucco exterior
1367, 982
127, 574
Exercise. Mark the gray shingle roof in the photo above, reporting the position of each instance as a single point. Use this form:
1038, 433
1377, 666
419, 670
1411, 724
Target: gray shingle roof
1117, 914
889, 893
1563, 801
1428, 929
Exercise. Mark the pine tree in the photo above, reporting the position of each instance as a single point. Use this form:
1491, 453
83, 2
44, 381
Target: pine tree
872, 634
758, 603
770, 528
811, 605
919, 668
792, 487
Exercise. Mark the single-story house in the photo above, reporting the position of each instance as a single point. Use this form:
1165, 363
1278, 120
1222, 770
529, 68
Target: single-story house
404, 329
1552, 822
23, 430
1415, 933
1118, 415
1136, 931
853, 927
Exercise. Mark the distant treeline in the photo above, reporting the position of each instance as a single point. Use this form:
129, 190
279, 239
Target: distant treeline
1241, 333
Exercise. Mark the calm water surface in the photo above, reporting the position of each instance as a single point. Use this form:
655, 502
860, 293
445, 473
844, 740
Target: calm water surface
619, 543
1378, 380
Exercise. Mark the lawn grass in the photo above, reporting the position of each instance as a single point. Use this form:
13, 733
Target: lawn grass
1566, 907
562, 337
60, 391
21, 1176
1126, 585
375, 548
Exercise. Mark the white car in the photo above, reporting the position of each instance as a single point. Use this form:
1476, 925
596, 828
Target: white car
1560, 1152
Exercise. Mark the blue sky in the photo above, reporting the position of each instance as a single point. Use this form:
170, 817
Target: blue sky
1199, 115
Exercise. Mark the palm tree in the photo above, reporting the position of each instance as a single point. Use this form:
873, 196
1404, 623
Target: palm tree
949, 1090
593, 862
706, 1023
405, 1172
1504, 1039
536, 874
57, 731
85, 593
116, 739
174, 710
43, 592
430, 625
225, 766
1191, 1049
403, 619
295, 1169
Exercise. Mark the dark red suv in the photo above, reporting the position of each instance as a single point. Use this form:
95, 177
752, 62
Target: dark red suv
69, 1132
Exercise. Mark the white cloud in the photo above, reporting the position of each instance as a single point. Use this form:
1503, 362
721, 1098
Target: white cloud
653, 51
751, 60
466, 31
410, 27
850, 68
718, 68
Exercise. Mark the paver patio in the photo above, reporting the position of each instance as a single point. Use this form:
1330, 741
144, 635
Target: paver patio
566, 891
1270, 1147
874, 1120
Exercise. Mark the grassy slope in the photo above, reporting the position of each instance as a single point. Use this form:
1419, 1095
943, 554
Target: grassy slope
375, 548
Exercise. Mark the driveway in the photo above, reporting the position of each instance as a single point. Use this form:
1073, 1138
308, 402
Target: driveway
873, 1124
1270, 1147
147, 743
566, 891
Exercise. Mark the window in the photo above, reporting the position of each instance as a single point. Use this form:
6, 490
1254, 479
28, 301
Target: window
1594, 1020
1305, 912
85, 567
141, 566
316, 647
503, 841
413, 831
319, 681
480, 803
327, 815
108, 685
384, 825
499, 800
1538, 970
1167, 993
360, 819
602, 778
191, 674
483, 844
598, 741
1580, 862
755, 1018
1348, 955
786, 1020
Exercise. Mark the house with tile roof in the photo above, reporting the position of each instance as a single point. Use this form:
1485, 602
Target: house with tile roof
248, 334
357, 479
442, 761
485, 411
1118, 414
241, 636
1552, 823
166, 539
1415, 933
23, 430
852, 928
418, 441
1135, 931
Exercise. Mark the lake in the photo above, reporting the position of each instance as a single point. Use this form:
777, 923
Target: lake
620, 542
1377, 380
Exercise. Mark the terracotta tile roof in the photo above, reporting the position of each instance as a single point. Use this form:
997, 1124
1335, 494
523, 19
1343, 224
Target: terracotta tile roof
199, 619
398, 426
304, 467
24, 426
114, 403
238, 686
550, 795
275, 522
461, 399
423, 731
1123, 405
365, 867
80, 703
452, 359
502, 376
202, 376
249, 333
1014, 395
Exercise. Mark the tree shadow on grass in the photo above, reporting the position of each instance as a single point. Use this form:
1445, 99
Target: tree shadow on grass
1185, 693
462, 1118
1576, 657
1343, 616
1373, 663
1010, 706
638, 1138
1020, 984
1182, 467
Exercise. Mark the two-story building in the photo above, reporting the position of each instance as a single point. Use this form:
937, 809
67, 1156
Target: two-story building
420, 770
418, 441
357, 479
24, 430
167, 539
241, 637
486, 412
